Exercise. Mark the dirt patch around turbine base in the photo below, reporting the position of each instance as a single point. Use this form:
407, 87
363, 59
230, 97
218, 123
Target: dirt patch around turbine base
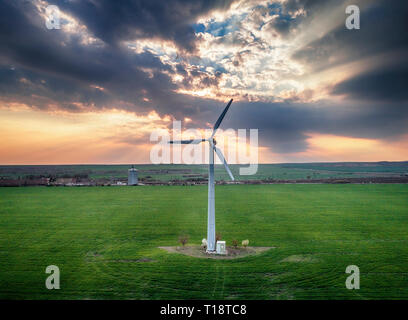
232, 253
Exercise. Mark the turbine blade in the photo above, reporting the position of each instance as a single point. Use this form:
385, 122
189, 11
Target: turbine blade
224, 162
193, 141
217, 124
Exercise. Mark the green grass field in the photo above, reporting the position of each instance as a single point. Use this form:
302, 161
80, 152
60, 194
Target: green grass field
97, 235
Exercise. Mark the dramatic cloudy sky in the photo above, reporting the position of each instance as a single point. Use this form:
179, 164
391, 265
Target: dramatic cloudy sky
94, 90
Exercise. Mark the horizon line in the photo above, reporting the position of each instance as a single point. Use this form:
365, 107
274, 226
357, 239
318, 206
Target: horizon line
199, 164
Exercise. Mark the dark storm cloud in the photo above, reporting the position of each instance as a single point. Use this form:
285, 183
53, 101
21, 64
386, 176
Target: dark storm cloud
60, 70
115, 21
37, 91
383, 26
283, 126
309, 6
384, 84
379, 93
286, 21
377, 98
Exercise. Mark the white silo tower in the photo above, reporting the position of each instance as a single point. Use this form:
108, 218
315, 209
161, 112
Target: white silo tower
132, 177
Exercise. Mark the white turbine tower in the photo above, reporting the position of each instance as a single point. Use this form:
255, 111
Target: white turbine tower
211, 200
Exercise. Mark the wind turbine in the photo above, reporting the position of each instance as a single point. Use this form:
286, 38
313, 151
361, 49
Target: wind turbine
211, 200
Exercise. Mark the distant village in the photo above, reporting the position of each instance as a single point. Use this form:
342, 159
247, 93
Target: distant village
83, 180
69, 180
79, 180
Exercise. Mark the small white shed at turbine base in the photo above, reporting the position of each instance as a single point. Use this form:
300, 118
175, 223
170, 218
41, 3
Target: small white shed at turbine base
132, 177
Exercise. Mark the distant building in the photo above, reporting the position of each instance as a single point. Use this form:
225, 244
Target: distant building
65, 182
132, 177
